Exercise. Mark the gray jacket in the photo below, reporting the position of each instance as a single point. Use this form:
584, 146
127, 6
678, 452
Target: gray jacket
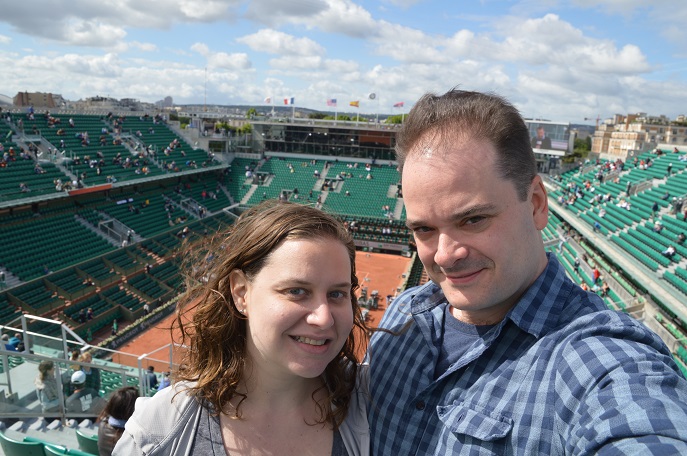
166, 427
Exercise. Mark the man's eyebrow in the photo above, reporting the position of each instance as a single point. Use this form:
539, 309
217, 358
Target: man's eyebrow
477, 209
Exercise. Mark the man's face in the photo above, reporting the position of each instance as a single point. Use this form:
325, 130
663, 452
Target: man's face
476, 239
540, 133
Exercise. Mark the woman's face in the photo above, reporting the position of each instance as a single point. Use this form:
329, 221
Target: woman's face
298, 308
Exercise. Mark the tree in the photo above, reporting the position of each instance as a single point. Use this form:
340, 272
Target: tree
252, 112
395, 120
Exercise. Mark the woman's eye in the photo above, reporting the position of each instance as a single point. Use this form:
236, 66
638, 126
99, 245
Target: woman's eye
296, 291
338, 294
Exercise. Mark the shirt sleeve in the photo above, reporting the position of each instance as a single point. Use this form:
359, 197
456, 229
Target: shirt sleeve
622, 393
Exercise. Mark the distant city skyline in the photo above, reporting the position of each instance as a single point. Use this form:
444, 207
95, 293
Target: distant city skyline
563, 61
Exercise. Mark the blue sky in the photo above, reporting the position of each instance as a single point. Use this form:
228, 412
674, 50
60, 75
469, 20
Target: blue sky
557, 60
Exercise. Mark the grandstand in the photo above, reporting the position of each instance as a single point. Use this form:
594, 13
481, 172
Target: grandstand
140, 194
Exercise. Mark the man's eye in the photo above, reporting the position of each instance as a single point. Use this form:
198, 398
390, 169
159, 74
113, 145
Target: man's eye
474, 220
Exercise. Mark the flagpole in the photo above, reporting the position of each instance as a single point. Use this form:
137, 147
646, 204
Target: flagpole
272, 103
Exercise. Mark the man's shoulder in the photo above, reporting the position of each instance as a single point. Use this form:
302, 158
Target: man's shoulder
402, 306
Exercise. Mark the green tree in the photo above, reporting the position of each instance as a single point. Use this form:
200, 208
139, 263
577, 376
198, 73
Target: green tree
251, 113
394, 120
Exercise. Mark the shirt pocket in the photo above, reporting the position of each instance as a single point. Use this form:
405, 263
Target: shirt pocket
461, 419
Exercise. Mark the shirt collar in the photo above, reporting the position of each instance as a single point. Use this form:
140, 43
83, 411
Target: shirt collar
536, 312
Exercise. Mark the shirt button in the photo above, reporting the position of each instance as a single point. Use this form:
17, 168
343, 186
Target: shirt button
420, 405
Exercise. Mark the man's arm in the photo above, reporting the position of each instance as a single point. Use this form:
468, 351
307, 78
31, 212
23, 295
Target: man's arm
623, 394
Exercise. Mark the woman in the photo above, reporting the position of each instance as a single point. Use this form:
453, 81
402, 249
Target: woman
114, 416
92, 373
271, 366
46, 387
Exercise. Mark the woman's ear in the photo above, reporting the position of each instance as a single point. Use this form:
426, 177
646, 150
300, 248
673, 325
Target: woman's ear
238, 285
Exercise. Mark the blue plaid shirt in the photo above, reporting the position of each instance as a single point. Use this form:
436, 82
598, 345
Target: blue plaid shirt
561, 374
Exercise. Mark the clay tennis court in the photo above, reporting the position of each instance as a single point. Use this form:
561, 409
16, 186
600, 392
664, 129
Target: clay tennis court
375, 271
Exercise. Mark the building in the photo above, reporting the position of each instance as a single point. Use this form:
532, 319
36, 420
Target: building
622, 136
372, 140
38, 100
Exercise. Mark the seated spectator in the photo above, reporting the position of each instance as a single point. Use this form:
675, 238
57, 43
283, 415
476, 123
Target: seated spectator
16, 341
114, 416
604, 289
658, 227
681, 238
669, 252
164, 382
5, 340
92, 373
46, 387
84, 399
151, 379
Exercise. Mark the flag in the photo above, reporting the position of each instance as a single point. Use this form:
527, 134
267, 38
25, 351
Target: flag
355, 104
288, 101
331, 102
268, 100
398, 105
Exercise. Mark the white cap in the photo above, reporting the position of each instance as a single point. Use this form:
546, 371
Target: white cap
79, 378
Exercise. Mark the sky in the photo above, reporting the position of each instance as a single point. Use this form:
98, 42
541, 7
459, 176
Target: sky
570, 61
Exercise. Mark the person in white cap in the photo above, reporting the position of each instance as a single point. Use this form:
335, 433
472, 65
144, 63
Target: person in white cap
84, 399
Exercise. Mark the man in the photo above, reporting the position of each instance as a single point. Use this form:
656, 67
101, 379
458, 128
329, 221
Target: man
151, 378
501, 353
16, 341
541, 141
669, 252
84, 399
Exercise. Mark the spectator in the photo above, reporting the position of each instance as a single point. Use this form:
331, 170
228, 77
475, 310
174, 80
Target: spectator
84, 399
500, 353
681, 238
46, 387
164, 382
113, 418
283, 256
16, 341
151, 379
5, 339
669, 252
92, 373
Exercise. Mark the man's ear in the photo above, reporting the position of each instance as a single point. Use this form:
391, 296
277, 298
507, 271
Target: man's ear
540, 203
238, 286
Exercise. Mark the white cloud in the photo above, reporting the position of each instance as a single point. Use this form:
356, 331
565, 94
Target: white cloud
5, 39
222, 60
275, 42
146, 47
292, 63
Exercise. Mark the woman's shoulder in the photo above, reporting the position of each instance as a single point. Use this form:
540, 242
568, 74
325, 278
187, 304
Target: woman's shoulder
355, 430
158, 420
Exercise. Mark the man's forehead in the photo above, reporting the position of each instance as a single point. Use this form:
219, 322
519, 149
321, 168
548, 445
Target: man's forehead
440, 149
